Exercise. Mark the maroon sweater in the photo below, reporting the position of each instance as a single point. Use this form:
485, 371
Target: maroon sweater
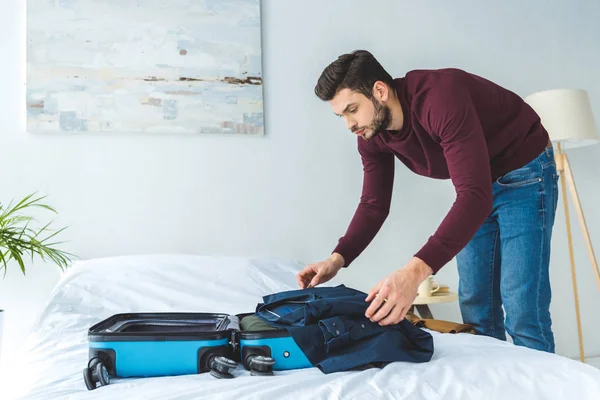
456, 126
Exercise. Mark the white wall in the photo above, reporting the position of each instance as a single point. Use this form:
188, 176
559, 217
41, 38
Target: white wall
293, 192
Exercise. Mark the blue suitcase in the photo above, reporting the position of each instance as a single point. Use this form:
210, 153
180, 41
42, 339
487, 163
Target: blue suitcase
167, 344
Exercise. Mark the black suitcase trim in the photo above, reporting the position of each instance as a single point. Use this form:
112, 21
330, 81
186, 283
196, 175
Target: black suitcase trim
101, 331
262, 334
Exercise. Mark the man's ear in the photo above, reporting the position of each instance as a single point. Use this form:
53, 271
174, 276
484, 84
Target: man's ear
381, 91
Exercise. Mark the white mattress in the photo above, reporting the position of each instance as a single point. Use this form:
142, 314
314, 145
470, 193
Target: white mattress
463, 367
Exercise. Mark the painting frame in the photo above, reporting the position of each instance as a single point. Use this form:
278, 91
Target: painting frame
182, 67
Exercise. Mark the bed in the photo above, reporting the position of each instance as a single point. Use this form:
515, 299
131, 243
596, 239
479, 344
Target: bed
464, 366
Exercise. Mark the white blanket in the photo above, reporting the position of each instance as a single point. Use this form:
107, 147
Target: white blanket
463, 367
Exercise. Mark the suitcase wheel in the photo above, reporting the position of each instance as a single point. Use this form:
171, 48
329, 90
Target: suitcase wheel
96, 373
220, 366
260, 365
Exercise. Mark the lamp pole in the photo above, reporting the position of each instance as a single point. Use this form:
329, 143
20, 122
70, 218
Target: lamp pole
564, 168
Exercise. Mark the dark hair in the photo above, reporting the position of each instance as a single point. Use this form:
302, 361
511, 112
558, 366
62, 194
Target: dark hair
357, 71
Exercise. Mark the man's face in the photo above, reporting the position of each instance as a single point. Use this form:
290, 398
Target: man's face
364, 117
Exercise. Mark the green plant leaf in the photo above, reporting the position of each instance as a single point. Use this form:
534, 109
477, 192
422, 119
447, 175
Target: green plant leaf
18, 237
4, 262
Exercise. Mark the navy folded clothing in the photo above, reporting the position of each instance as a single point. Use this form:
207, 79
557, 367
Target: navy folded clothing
330, 327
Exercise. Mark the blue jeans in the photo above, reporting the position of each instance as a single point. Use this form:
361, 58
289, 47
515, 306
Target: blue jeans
507, 261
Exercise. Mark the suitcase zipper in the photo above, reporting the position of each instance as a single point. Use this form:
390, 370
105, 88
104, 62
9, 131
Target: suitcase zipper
233, 342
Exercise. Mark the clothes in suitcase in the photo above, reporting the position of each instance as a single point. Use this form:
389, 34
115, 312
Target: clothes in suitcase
330, 327
167, 344
323, 327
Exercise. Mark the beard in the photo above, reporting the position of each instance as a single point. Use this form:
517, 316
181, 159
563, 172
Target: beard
381, 120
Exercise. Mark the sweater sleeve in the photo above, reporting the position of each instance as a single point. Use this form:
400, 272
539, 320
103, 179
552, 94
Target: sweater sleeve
454, 122
374, 205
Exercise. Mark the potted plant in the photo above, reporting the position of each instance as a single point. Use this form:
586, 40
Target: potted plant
19, 239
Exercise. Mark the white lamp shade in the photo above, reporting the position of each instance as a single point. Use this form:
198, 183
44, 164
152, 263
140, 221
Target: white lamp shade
567, 116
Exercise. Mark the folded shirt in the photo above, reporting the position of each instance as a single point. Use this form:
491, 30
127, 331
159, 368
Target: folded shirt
252, 323
330, 327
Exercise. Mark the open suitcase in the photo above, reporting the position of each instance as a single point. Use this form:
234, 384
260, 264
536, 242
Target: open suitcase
166, 344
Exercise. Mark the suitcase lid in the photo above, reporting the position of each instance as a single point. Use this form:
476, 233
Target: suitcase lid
164, 326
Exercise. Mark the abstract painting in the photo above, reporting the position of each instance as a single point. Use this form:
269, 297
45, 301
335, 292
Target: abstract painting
147, 66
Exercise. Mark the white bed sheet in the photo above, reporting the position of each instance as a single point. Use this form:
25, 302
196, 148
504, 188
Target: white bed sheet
463, 367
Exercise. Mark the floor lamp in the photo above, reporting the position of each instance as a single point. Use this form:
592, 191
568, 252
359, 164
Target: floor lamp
567, 116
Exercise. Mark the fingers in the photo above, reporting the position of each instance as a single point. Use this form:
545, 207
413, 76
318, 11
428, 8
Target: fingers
315, 274
373, 292
300, 281
316, 279
377, 302
403, 313
390, 318
383, 311
395, 316
304, 277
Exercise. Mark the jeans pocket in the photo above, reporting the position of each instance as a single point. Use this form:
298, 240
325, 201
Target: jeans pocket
524, 176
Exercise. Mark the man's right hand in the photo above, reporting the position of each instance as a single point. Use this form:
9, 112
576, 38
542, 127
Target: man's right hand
317, 273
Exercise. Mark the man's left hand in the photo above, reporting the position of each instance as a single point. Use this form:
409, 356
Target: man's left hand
393, 296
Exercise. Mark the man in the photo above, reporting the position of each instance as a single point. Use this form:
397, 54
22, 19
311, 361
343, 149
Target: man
449, 124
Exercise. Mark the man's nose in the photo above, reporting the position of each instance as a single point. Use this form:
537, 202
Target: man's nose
350, 123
